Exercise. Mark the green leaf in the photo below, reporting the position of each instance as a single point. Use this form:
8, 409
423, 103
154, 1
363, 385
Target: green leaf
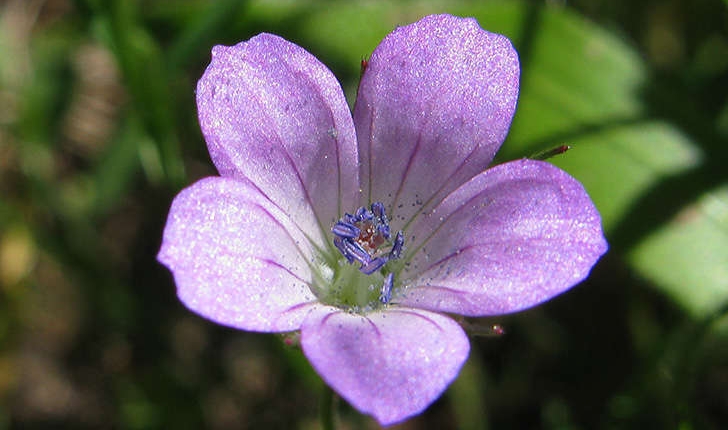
199, 34
114, 174
688, 257
147, 79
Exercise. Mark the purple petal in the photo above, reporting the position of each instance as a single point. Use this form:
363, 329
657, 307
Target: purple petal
514, 236
391, 364
236, 258
434, 105
271, 112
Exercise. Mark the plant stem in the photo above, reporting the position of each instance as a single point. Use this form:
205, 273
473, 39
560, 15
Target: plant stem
326, 408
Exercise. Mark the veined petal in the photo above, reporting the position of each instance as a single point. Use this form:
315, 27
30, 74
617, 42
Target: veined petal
434, 105
512, 237
391, 364
272, 113
236, 259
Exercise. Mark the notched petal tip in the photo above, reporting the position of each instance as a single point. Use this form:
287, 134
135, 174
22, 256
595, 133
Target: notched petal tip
391, 364
433, 108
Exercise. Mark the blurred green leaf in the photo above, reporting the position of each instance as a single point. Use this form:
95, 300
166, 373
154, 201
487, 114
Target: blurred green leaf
41, 78
147, 79
688, 257
584, 87
466, 396
117, 168
580, 86
199, 34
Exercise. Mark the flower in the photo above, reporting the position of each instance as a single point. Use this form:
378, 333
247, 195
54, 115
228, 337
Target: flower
363, 231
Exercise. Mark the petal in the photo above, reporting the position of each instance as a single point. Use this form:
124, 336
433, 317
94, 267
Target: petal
271, 112
434, 105
236, 259
391, 364
514, 236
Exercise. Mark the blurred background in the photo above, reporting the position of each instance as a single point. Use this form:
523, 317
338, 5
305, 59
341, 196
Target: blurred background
98, 132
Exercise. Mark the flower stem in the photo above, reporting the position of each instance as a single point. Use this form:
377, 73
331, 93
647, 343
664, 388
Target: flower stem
326, 408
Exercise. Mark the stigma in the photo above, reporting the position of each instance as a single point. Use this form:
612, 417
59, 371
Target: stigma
365, 238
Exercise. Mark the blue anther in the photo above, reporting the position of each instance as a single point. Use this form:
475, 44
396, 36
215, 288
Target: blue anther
383, 229
397, 247
383, 218
343, 229
350, 219
373, 265
378, 209
381, 214
363, 214
386, 293
356, 252
359, 237
339, 243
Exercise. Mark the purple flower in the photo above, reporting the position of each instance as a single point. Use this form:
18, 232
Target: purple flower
363, 232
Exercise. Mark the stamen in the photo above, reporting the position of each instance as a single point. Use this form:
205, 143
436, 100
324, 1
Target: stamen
365, 237
363, 214
398, 246
384, 231
373, 265
378, 210
339, 244
386, 293
356, 251
343, 229
361, 237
